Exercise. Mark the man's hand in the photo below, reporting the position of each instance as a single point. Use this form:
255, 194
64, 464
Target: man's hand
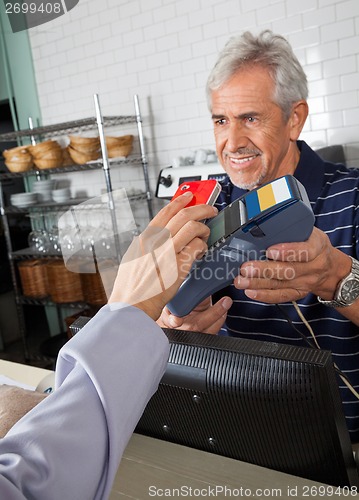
294, 270
205, 318
158, 261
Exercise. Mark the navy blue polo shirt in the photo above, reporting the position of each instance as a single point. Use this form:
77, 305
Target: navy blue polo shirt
333, 191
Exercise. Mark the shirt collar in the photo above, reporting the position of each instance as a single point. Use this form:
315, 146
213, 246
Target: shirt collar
310, 170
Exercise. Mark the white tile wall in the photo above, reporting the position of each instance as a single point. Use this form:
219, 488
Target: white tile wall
164, 49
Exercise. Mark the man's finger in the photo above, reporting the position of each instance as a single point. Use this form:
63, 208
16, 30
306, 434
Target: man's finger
276, 296
212, 319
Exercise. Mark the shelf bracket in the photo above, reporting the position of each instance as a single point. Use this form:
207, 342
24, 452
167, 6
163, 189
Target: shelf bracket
143, 155
106, 169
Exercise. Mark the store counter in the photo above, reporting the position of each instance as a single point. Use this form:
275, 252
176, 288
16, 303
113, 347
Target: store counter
151, 468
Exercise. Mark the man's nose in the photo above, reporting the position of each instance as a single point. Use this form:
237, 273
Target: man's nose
237, 138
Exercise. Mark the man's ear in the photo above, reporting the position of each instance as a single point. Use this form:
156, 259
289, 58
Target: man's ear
297, 118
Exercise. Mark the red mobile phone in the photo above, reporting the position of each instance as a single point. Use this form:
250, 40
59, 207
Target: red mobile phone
204, 192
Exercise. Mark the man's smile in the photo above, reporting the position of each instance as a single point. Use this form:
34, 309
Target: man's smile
240, 161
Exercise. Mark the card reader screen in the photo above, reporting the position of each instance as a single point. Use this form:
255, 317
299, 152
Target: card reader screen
217, 227
226, 223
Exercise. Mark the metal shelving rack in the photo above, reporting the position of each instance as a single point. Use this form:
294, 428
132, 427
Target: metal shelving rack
57, 130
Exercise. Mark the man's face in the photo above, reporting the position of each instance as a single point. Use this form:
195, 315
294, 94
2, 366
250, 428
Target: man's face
253, 140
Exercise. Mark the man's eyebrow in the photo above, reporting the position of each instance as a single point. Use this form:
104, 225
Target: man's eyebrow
240, 117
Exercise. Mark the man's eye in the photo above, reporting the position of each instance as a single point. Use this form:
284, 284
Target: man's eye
220, 121
250, 119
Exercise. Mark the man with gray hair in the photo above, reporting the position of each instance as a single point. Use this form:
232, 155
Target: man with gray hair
257, 95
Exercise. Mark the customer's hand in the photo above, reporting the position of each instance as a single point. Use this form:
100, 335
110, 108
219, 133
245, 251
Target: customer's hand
294, 270
158, 260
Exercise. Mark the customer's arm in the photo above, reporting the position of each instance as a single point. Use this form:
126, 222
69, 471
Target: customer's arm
70, 445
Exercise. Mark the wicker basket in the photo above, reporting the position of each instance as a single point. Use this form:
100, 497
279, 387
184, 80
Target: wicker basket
93, 290
18, 159
120, 151
42, 149
33, 276
51, 154
66, 158
79, 140
81, 158
86, 145
16, 152
45, 164
92, 286
120, 140
19, 166
64, 286
119, 146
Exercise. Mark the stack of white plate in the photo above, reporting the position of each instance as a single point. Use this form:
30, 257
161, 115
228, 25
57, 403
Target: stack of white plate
43, 189
61, 195
23, 199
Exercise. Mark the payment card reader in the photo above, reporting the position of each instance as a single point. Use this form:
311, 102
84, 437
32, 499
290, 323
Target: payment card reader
277, 212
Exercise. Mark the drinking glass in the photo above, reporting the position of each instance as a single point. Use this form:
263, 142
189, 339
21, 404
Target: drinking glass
38, 239
51, 224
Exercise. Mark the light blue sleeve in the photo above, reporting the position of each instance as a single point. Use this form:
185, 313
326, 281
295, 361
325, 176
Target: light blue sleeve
70, 445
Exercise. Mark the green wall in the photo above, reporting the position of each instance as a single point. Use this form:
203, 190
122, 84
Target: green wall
17, 80
17, 73
4, 93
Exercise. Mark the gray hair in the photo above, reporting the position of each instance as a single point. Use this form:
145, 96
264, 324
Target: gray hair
267, 50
